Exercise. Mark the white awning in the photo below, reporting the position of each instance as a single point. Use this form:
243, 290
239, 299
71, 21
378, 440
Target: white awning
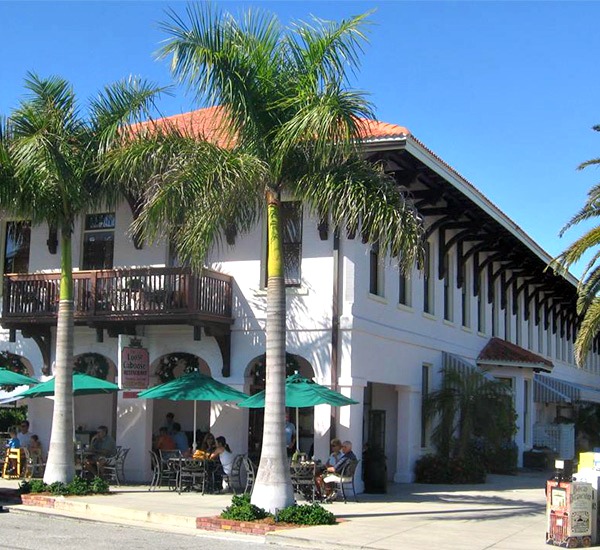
547, 389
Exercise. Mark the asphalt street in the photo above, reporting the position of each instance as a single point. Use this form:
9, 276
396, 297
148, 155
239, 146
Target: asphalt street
27, 531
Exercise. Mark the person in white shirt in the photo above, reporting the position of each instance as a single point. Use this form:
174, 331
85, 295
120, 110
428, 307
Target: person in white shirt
24, 436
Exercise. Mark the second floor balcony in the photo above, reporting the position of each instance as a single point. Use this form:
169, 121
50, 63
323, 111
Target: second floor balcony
121, 297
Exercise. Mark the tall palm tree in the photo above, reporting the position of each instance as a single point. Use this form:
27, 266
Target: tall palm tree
290, 127
588, 302
468, 405
49, 157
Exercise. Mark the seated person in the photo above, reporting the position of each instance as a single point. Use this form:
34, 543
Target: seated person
164, 442
35, 449
181, 441
12, 443
102, 446
336, 452
23, 434
208, 445
224, 454
332, 473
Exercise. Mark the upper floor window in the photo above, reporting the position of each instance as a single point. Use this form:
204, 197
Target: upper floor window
465, 297
427, 281
98, 241
449, 290
404, 289
16, 247
291, 234
481, 309
375, 272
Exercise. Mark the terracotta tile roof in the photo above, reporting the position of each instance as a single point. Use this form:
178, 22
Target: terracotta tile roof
503, 353
207, 123
375, 129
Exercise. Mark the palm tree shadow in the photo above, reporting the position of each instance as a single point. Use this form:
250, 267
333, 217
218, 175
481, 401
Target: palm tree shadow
501, 497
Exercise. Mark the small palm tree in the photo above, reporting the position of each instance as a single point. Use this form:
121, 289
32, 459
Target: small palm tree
466, 406
289, 127
49, 157
588, 302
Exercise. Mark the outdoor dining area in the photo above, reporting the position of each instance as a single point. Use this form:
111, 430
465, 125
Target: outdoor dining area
191, 465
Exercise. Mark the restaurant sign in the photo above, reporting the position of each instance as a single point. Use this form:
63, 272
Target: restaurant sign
134, 363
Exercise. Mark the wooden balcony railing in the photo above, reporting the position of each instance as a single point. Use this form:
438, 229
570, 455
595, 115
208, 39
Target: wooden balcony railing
140, 295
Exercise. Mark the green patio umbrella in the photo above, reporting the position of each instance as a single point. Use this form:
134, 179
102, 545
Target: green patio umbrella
193, 386
83, 384
10, 378
301, 392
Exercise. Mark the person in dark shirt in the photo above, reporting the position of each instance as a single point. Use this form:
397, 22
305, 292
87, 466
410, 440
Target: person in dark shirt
325, 482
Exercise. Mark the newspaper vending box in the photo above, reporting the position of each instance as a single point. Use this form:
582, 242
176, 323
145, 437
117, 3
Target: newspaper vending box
569, 512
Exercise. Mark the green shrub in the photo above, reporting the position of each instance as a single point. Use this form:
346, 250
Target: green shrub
78, 486
436, 469
242, 509
502, 459
58, 488
98, 486
306, 514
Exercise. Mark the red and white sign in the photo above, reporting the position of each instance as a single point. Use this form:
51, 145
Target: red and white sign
134, 364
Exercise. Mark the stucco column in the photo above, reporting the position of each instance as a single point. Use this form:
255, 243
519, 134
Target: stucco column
409, 426
134, 430
350, 421
230, 421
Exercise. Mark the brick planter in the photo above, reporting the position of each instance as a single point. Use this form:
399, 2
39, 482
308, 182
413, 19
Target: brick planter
44, 501
246, 527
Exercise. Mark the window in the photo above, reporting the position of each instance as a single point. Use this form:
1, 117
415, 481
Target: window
404, 294
427, 281
540, 327
481, 303
98, 241
449, 290
291, 233
465, 298
425, 372
375, 272
16, 247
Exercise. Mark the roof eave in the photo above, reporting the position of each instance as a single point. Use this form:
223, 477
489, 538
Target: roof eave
519, 364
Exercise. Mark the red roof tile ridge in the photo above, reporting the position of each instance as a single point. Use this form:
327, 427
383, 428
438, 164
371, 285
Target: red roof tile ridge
499, 349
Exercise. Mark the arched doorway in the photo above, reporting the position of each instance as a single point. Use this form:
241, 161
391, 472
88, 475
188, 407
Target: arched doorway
255, 375
91, 411
167, 368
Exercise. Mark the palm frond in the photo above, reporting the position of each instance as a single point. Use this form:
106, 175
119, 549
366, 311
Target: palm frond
591, 209
226, 63
587, 331
323, 51
191, 189
124, 103
362, 197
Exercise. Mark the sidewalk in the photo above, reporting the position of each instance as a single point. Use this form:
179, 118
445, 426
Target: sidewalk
508, 513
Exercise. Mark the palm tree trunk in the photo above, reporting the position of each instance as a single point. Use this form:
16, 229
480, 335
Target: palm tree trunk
61, 460
273, 487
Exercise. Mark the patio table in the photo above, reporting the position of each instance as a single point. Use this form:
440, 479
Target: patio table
200, 473
303, 478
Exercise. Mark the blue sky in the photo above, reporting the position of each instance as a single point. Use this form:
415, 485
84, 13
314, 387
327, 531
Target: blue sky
505, 92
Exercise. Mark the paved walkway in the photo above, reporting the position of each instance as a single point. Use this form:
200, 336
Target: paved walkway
508, 513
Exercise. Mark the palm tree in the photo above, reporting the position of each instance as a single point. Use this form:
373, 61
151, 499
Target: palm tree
469, 405
588, 302
290, 127
49, 157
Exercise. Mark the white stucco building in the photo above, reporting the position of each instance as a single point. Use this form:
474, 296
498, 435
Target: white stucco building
483, 300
